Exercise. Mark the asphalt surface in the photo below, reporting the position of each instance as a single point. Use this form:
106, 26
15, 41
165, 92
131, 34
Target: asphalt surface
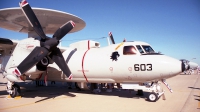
58, 98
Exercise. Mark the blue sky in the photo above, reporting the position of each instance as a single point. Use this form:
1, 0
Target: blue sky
170, 26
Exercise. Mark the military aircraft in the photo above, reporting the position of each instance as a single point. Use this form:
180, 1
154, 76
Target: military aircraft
83, 62
189, 66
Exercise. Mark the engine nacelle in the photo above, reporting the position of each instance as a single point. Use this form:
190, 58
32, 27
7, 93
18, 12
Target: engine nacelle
42, 65
45, 61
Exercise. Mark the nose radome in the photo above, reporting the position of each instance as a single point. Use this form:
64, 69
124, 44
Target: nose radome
173, 66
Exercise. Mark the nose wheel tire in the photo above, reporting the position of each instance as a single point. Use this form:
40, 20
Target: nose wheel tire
152, 97
15, 91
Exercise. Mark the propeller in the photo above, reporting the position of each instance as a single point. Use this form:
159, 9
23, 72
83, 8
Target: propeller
114, 56
48, 46
111, 37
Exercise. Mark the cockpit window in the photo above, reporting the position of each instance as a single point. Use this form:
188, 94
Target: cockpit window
129, 50
148, 49
139, 49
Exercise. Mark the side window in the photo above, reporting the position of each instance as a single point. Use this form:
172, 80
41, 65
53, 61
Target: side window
129, 50
139, 49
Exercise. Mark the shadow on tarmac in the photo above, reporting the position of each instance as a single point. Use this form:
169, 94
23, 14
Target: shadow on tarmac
29, 90
194, 88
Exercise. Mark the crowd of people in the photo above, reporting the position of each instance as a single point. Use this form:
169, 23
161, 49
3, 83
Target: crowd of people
95, 87
192, 71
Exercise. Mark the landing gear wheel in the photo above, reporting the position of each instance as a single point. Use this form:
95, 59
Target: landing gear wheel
152, 97
16, 91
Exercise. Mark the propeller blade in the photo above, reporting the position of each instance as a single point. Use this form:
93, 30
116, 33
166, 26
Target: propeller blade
111, 38
32, 19
58, 58
33, 58
63, 30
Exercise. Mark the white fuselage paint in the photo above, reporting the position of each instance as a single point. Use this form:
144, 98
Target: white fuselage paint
95, 65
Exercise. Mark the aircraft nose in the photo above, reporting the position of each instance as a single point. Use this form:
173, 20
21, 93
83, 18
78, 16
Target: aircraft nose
170, 67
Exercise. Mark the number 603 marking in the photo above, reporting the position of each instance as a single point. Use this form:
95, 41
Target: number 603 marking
143, 67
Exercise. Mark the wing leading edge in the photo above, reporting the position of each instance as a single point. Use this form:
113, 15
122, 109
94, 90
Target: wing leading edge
6, 44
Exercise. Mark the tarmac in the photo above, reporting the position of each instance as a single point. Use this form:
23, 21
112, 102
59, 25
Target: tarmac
58, 98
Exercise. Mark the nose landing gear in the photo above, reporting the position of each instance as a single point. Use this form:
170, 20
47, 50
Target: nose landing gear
13, 89
154, 89
152, 97
155, 92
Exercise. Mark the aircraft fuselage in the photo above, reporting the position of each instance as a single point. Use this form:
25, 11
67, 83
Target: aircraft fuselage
94, 64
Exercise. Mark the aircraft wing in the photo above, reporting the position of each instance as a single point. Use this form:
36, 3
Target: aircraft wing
6, 44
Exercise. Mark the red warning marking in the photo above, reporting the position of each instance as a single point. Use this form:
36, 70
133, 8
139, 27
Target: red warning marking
111, 68
29, 46
83, 61
70, 77
88, 44
23, 2
45, 78
73, 24
130, 68
16, 72
110, 33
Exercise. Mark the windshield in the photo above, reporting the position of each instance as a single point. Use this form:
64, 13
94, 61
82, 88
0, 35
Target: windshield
148, 49
139, 49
